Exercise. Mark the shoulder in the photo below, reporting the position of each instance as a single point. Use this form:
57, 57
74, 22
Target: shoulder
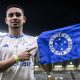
31, 40
2, 35
31, 37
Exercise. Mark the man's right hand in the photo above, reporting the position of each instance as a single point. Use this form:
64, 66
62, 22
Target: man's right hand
25, 55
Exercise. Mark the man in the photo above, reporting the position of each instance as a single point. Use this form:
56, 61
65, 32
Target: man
17, 50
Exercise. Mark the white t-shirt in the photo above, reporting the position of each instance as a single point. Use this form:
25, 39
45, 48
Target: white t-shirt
10, 45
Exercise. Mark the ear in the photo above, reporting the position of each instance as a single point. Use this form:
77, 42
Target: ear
24, 19
6, 20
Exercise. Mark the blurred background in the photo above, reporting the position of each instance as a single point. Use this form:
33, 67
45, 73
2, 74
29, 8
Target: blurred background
43, 16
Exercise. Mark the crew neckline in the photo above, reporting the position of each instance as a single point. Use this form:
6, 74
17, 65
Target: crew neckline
15, 36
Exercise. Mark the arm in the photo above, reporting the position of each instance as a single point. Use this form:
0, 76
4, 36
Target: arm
48, 68
5, 64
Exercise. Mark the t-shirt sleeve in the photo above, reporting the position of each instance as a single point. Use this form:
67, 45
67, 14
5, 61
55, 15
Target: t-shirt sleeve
34, 44
1, 38
37, 58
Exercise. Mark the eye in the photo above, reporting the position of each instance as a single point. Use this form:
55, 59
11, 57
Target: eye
18, 14
10, 15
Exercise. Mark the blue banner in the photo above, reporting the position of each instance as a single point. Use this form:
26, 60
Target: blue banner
60, 44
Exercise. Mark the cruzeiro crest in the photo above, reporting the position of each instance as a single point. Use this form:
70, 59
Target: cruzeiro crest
60, 43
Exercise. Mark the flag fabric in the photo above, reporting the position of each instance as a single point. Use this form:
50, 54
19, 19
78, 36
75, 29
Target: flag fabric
59, 45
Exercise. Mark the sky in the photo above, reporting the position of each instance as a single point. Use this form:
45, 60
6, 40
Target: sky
43, 15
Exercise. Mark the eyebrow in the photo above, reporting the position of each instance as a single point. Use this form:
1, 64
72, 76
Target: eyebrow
14, 12
17, 13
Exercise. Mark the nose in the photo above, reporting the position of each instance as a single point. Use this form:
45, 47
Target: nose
14, 17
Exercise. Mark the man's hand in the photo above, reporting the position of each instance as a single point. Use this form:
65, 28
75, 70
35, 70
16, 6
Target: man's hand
47, 67
25, 55
51, 78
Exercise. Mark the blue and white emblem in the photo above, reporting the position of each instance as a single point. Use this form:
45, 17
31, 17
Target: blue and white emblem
60, 44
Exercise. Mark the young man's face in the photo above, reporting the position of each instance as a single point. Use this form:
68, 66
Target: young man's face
15, 17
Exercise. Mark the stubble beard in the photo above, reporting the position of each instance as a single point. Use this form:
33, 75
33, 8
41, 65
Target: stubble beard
15, 26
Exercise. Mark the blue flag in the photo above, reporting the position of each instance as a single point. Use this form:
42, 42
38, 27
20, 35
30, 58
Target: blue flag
60, 44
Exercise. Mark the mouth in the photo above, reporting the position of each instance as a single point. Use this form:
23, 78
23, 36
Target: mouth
17, 27
15, 22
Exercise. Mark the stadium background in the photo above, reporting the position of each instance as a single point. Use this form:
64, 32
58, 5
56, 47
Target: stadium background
47, 15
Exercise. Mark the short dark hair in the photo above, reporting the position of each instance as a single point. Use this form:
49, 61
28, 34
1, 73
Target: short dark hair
17, 6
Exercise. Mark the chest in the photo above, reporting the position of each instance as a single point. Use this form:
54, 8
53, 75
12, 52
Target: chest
11, 46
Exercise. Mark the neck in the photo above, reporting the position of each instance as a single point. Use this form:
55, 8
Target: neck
15, 32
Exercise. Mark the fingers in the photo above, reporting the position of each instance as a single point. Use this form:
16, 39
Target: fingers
31, 49
28, 55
